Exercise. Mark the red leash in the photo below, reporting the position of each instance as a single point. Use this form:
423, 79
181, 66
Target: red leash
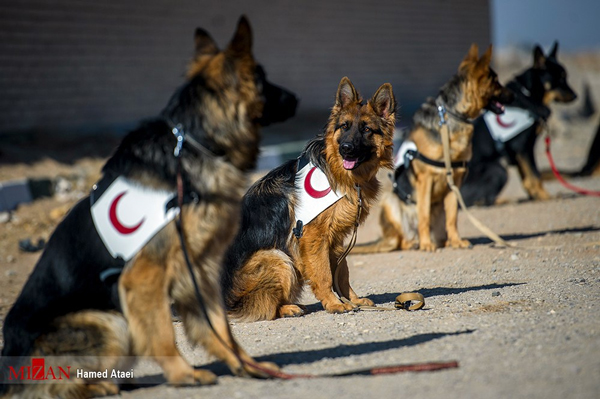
560, 178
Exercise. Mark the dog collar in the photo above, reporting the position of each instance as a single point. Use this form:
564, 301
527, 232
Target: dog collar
443, 110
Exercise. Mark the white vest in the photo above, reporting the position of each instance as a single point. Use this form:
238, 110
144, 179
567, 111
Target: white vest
506, 126
127, 215
314, 193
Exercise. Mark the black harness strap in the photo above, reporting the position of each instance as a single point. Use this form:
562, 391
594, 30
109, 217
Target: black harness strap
412, 154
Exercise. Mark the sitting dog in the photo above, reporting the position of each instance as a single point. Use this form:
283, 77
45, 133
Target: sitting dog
421, 210
295, 219
513, 135
102, 289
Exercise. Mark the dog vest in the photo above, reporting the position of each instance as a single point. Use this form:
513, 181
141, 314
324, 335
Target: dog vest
506, 126
127, 215
313, 191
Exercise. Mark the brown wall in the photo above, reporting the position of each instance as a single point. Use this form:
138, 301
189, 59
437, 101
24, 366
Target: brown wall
86, 66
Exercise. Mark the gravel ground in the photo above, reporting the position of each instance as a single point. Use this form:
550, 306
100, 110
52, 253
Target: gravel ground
521, 322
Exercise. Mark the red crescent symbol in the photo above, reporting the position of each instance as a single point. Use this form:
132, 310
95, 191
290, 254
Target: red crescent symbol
504, 124
112, 214
310, 190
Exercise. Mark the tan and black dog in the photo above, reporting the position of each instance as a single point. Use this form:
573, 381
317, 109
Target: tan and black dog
280, 247
421, 210
92, 309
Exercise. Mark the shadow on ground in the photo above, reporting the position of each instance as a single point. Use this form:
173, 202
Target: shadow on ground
510, 237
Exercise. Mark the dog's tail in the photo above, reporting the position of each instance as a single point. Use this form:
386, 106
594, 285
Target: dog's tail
265, 281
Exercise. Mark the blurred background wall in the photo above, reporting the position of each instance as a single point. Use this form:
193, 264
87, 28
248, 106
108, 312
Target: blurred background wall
76, 67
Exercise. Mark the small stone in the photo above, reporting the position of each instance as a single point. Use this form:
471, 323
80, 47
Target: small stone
10, 259
4, 217
514, 257
10, 273
496, 293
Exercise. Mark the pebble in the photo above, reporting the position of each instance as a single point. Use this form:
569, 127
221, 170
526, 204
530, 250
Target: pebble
10, 273
496, 293
4, 217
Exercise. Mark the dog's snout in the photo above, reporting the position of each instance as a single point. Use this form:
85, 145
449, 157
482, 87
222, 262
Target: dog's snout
346, 147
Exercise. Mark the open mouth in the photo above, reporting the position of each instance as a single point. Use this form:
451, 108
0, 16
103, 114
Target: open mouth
350, 163
496, 107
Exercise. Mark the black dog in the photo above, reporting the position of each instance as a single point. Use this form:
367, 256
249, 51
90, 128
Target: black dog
534, 90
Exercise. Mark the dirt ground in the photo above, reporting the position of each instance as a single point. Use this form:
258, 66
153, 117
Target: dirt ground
522, 322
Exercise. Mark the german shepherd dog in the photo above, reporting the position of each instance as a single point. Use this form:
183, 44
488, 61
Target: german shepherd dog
421, 211
545, 82
72, 307
270, 260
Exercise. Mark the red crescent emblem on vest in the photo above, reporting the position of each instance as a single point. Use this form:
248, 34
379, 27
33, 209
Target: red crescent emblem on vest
112, 214
309, 188
504, 124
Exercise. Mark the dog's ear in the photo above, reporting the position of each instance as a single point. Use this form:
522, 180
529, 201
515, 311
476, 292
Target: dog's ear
346, 93
470, 59
242, 39
539, 60
486, 58
383, 101
554, 50
205, 45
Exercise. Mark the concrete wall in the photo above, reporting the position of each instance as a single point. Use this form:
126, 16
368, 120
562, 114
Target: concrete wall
90, 66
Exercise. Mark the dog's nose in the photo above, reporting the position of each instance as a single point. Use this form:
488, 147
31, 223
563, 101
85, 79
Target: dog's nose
346, 147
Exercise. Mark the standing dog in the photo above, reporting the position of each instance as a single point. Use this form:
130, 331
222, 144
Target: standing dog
270, 260
513, 136
68, 307
422, 210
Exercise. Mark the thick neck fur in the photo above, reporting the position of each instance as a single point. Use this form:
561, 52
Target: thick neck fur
230, 134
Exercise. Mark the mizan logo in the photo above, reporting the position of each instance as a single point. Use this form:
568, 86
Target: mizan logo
310, 189
38, 372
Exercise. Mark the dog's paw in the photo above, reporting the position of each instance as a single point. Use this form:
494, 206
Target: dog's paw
102, 388
204, 377
363, 302
192, 377
262, 371
427, 246
339, 308
459, 244
290, 311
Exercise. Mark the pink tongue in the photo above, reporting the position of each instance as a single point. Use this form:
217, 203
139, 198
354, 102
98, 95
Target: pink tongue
349, 163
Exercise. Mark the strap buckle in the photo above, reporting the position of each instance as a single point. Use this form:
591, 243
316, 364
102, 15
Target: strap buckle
442, 115
180, 137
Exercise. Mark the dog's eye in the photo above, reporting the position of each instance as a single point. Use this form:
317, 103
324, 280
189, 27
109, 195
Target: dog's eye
366, 129
344, 126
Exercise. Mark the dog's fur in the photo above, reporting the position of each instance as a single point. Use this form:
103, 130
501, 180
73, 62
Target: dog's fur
65, 310
430, 221
545, 82
266, 265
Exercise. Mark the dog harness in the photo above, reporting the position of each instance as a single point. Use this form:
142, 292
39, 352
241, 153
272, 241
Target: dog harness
127, 215
408, 151
513, 121
314, 193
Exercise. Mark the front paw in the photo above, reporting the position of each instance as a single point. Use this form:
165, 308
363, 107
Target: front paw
427, 246
363, 302
338, 308
459, 244
264, 369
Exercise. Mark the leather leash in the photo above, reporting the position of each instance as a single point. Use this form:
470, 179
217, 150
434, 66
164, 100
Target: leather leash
450, 179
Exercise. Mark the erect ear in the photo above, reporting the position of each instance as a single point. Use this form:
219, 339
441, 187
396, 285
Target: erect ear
554, 50
539, 60
242, 39
383, 101
486, 58
205, 45
470, 59
346, 93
